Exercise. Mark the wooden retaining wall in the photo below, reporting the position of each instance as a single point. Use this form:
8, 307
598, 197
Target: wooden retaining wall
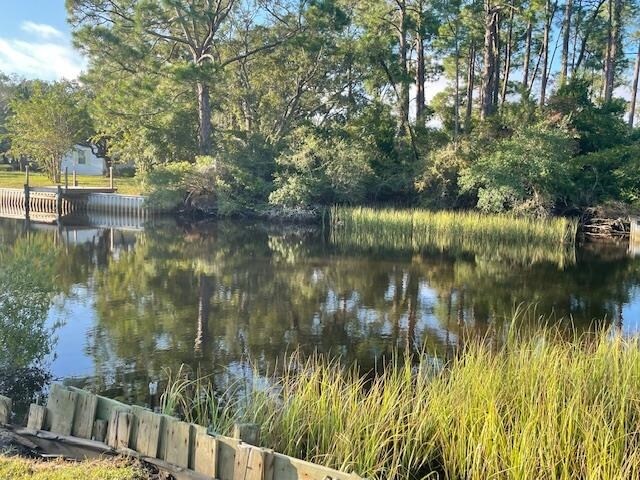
15, 202
72, 413
40, 203
116, 204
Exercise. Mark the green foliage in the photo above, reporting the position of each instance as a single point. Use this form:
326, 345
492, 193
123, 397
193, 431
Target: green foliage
166, 186
528, 172
45, 126
244, 82
608, 175
321, 169
596, 127
210, 185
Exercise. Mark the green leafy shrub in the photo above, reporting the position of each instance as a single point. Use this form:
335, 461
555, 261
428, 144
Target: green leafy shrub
166, 185
526, 173
210, 185
321, 169
610, 174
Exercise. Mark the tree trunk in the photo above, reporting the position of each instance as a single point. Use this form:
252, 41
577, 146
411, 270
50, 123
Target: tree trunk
456, 129
404, 81
489, 73
527, 55
507, 55
496, 83
615, 11
545, 54
420, 79
204, 119
470, 85
634, 88
566, 35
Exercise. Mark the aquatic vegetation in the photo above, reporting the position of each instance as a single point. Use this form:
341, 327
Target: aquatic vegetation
499, 237
542, 406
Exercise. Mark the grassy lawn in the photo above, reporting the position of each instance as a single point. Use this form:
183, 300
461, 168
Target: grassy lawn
127, 186
18, 468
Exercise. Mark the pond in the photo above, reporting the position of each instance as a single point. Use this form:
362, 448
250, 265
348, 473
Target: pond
129, 303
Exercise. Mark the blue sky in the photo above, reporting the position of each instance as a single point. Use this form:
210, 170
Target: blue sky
35, 40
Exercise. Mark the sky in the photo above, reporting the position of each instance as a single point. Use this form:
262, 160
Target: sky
35, 40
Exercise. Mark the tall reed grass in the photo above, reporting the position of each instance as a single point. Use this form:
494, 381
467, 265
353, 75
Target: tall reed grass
541, 407
519, 239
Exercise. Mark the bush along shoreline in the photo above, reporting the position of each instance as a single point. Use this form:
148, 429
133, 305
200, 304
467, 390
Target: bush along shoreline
545, 406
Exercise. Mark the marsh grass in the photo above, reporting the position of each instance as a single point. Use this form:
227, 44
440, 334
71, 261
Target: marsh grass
547, 406
499, 237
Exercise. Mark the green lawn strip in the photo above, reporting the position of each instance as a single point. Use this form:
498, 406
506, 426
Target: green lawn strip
125, 186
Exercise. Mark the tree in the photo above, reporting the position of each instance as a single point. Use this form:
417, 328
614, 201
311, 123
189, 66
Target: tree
181, 40
46, 126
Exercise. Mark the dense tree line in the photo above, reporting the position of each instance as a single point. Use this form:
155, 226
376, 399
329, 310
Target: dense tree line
242, 103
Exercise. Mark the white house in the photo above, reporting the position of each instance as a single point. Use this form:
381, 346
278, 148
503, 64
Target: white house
83, 161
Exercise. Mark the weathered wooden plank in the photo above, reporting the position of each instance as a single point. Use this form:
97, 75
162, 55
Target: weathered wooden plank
119, 432
250, 463
177, 443
205, 454
85, 415
226, 457
247, 432
288, 468
61, 407
195, 430
37, 417
148, 434
99, 433
165, 429
5, 410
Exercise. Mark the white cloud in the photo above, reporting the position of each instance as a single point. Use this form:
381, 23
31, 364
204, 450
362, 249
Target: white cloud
46, 60
41, 29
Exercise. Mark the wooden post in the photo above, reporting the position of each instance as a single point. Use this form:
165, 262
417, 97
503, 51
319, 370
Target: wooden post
59, 202
5, 410
26, 193
247, 432
66, 177
119, 432
37, 417
75, 179
99, 430
110, 177
26, 201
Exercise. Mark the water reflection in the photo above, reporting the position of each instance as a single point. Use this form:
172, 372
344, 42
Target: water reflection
213, 296
26, 291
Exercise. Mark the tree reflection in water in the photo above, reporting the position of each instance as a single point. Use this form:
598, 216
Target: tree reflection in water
220, 295
26, 290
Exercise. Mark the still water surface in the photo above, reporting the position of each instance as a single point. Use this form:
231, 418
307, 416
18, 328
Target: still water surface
131, 303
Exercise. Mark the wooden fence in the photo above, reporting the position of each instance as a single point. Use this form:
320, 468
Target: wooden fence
78, 416
43, 204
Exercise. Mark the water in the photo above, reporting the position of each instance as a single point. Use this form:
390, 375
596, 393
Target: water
131, 303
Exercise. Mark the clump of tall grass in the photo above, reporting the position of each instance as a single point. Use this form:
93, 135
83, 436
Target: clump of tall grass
540, 407
499, 236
